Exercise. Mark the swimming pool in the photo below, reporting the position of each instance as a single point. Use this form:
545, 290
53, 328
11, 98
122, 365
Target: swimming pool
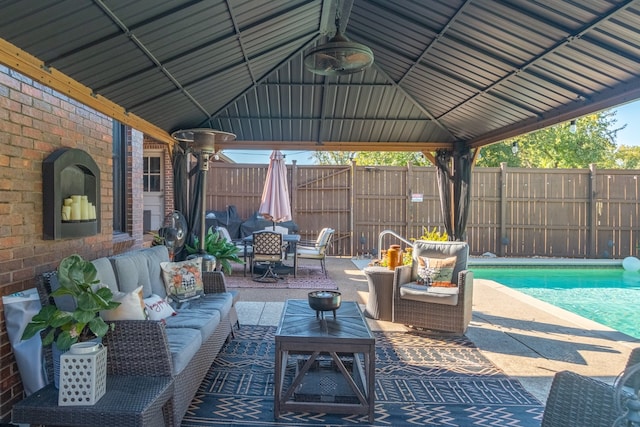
609, 296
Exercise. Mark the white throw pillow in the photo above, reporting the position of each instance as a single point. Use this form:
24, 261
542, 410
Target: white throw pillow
131, 307
158, 308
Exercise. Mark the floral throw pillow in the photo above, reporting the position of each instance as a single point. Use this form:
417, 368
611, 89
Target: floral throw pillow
183, 280
437, 271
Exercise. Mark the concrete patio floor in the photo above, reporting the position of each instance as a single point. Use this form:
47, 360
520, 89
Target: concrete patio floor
528, 339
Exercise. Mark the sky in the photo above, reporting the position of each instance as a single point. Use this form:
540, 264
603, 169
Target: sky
628, 114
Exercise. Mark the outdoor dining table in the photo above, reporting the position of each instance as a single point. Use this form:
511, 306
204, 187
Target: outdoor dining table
291, 239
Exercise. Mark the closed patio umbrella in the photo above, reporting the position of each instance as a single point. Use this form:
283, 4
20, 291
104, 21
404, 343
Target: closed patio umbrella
454, 190
275, 204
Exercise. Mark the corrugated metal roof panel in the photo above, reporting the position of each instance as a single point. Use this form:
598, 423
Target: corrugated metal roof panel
444, 70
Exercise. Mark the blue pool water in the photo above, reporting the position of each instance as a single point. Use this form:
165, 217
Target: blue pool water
609, 296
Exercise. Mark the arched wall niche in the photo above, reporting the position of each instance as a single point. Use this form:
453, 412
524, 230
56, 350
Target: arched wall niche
70, 172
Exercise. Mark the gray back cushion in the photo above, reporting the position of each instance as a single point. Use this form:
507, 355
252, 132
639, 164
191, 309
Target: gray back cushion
155, 255
132, 271
106, 275
64, 302
437, 249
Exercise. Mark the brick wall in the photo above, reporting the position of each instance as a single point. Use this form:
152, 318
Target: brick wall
34, 122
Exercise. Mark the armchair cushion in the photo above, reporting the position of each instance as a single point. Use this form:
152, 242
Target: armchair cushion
423, 293
431, 249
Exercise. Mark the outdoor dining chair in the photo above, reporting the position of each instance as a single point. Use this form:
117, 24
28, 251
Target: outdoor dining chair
267, 251
316, 250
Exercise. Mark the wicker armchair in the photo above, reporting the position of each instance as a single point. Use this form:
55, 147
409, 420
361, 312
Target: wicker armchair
576, 400
426, 308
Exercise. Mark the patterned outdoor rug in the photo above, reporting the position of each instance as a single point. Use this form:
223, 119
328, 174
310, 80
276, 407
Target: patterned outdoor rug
420, 380
308, 277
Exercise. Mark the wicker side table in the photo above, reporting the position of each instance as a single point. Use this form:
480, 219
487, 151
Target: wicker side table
380, 302
129, 401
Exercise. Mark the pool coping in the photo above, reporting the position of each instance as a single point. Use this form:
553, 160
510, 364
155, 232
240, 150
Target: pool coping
573, 262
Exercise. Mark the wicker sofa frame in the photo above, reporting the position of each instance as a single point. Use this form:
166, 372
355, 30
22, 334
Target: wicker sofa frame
141, 348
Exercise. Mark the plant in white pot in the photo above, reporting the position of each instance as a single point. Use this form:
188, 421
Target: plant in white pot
77, 278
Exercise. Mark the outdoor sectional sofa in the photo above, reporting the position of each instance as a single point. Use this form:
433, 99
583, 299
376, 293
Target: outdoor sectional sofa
183, 346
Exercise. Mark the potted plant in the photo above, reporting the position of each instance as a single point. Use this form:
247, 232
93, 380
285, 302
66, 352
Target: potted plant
77, 277
220, 248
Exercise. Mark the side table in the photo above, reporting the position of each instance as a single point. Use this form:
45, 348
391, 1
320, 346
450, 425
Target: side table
380, 302
128, 401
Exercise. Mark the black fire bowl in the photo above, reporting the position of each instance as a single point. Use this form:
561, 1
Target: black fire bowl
322, 301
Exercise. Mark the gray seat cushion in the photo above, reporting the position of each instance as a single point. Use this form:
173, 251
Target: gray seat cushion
221, 302
184, 343
417, 292
205, 322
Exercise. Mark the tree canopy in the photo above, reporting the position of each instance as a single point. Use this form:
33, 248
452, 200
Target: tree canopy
592, 142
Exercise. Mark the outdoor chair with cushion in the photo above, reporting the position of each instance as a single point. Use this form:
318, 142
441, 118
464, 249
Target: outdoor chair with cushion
282, 230
267, 250
315, 249
436, 291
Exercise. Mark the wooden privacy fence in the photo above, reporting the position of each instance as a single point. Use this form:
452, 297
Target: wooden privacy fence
575, 213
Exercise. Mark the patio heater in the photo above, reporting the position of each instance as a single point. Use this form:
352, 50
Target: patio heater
202, 142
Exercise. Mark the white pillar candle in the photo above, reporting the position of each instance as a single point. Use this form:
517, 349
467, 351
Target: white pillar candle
84, 208
66, 213
75, 211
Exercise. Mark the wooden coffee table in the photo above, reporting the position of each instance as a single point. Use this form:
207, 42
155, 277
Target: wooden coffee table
332, 361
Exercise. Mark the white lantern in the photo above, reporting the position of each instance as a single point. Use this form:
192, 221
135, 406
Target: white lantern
83, 374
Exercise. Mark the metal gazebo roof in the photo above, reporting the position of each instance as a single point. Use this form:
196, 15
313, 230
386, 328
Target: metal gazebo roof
446, 72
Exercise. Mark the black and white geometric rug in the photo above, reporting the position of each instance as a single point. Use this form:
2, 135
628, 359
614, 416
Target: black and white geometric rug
420, 380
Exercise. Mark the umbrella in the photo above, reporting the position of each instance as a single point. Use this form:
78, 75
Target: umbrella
275, 204
455, 211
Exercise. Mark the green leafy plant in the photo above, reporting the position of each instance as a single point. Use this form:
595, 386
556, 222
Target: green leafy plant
434, 235
220, 248
157, 239
77, 278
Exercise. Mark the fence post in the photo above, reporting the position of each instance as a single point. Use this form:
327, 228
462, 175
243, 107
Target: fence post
294, 188
591, 222
410, 218
503, 209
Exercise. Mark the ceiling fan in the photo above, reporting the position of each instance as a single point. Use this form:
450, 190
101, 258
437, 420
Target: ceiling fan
338, 56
